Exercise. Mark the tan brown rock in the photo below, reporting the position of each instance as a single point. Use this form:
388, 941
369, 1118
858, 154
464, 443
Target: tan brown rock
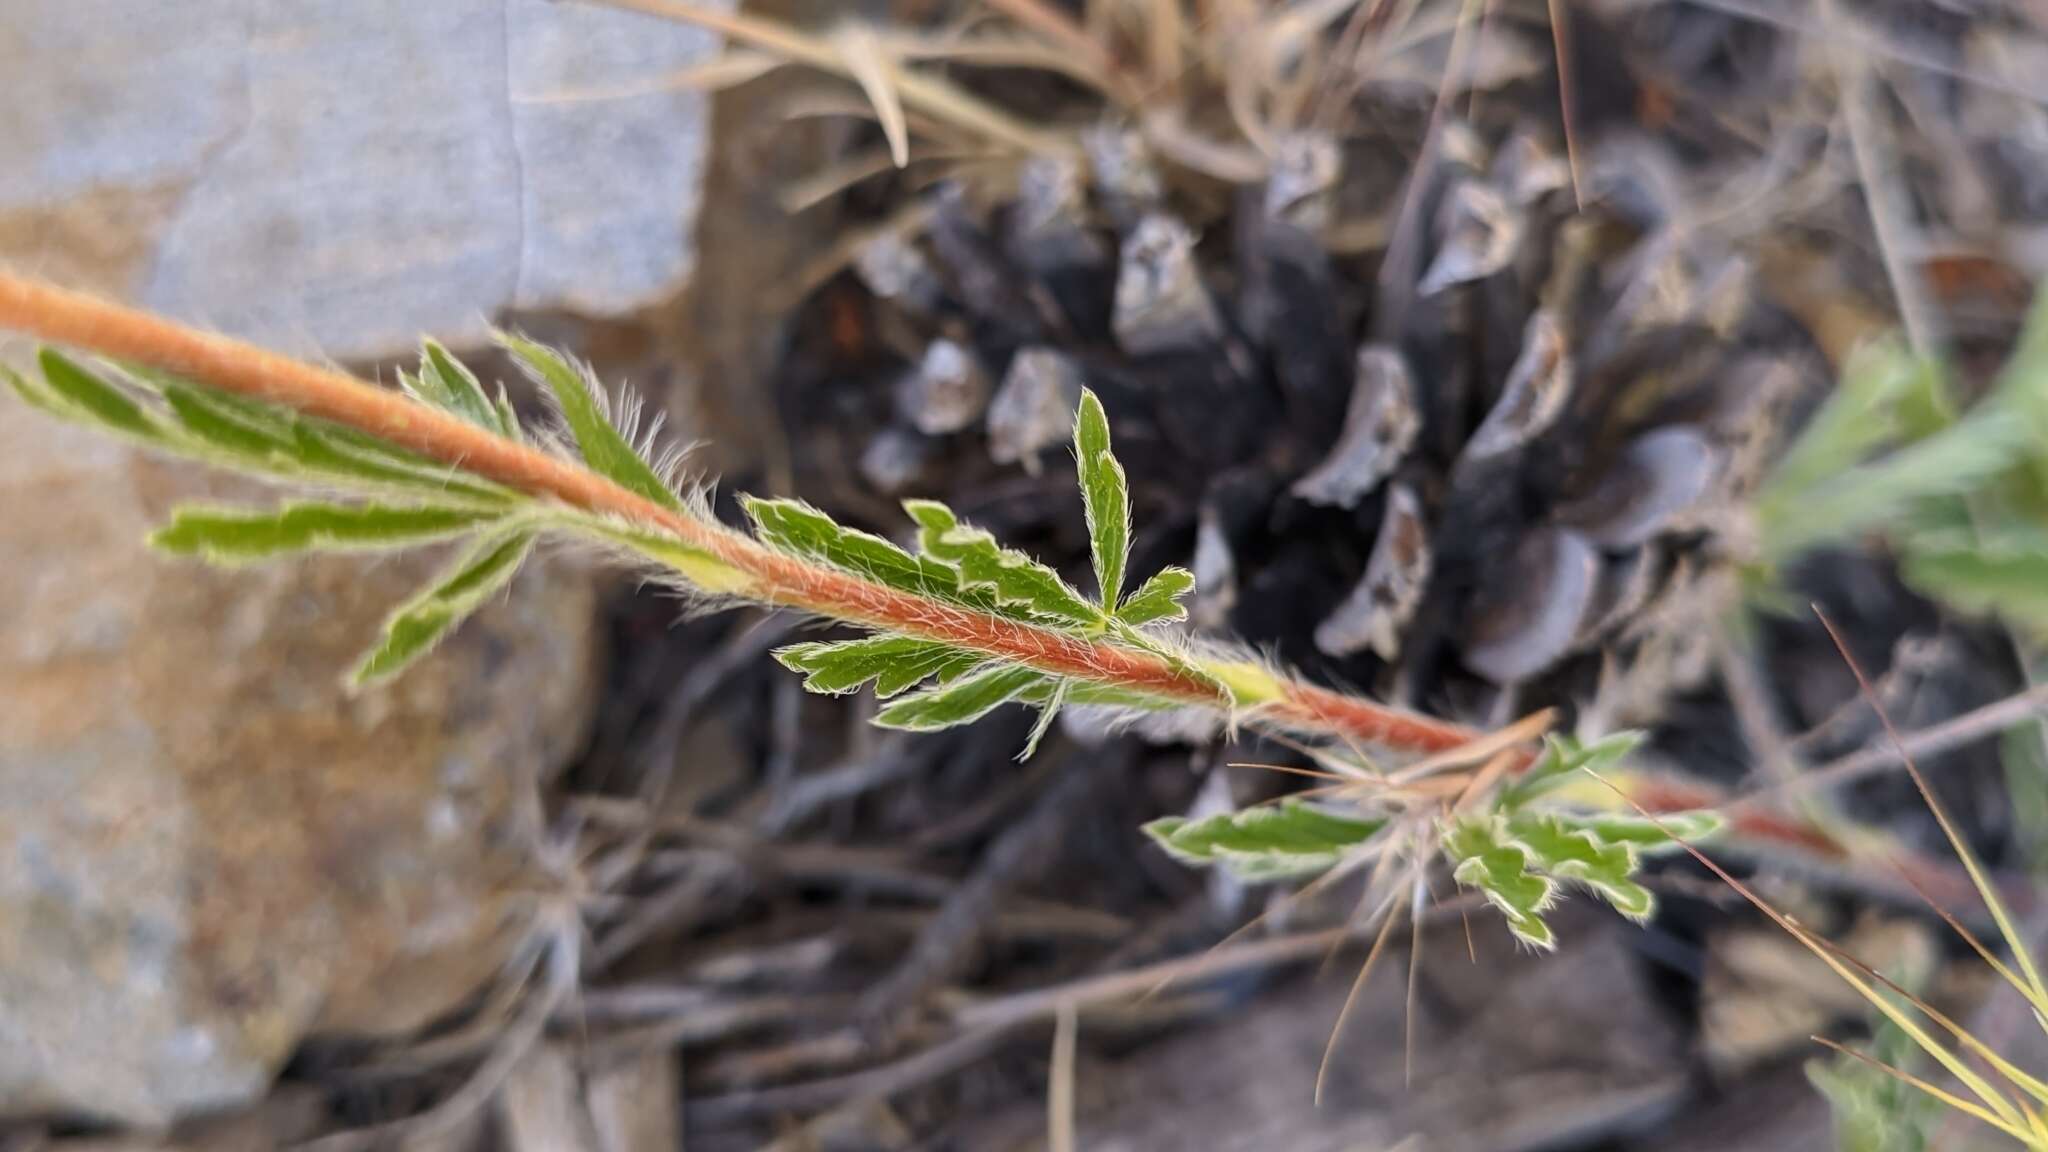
207, 847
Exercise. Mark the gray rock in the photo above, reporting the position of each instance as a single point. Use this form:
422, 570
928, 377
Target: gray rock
337, 176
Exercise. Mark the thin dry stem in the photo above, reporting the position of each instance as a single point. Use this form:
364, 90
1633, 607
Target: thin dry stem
1059, 1091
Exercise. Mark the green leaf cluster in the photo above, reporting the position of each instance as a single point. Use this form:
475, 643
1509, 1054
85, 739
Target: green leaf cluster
1523, 853
1522, 850
956, 563
1872, 1109
1960, 498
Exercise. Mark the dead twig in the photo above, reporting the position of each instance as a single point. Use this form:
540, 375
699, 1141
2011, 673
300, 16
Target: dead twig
1979, 724
1024, 849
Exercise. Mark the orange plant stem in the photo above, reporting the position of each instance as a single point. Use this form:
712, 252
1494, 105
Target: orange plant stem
121, 333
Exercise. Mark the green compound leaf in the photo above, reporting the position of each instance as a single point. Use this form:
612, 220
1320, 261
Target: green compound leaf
1105, 498
960, 701
894, 663
445, 383
87, 397
1268, 843
1563, 758
1016, 580
420, 623
1159, 598
1484, 858
1572, 853
799, 528
236, 536
577, 395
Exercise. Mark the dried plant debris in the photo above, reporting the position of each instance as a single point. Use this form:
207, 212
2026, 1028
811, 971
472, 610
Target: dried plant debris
1533, 607
1034, 409
1379, 427
946, 392
1378, 610
1532, 398
1161, 302
1661, 476
1478, 236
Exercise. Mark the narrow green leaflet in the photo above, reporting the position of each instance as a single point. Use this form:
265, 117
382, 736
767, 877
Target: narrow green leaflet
1483, 858
961, 701
236, 428
1158, 599
1014, 578
604, 447
797, 527
258, 436
894, 663
237, 432
419, 624
346, 454
508, 419
1267, 843
1577, 855
233, 536
93, 398
1858, 417
446, 383
1047, 713
1564, 757
37, 396
1667, 833
1104, 497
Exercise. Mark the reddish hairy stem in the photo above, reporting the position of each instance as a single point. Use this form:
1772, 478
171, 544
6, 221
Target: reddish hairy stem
71, 318
60, 316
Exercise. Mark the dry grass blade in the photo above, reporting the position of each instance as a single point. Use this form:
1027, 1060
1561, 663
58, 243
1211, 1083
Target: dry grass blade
1560, 39
1482, 748
1415, 910
2027, 1083
1057, 27
1379, 943
1888, 216
990, 50
1290, 770
928, 94
2032, 988
1953, 1063
1489, 774
1165, 33
1939, 1093
871, 68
